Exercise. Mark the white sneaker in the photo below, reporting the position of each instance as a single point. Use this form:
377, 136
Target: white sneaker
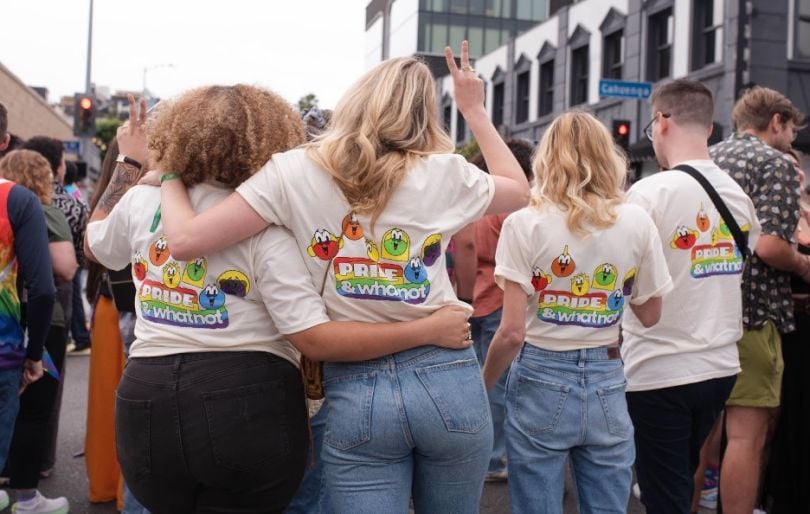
41, 505
637, 491
3, 499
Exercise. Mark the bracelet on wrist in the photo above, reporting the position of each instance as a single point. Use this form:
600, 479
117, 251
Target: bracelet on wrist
168, 176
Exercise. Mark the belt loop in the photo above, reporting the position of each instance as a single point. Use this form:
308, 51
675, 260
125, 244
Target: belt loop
583, 356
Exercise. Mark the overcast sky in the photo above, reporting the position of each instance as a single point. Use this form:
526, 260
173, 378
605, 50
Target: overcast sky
291, 46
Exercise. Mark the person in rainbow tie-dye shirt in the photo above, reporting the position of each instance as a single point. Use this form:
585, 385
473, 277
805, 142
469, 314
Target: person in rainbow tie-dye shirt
23, 250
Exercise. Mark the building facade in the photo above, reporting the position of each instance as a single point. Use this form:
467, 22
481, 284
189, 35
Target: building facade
396, 28
557, 65
28, 112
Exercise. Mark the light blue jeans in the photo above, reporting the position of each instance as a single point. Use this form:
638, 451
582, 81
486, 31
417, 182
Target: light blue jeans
312, 496
483, 330
561, 404
415, 423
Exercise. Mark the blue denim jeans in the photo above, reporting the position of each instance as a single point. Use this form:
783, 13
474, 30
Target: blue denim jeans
9, 406
312, 496
483, 329
568, 404
415, 423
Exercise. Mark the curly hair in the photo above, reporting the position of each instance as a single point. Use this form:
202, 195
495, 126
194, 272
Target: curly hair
223, 133
31, 170
49, 148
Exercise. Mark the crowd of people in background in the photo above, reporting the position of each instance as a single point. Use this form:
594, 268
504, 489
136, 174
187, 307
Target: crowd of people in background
505, 318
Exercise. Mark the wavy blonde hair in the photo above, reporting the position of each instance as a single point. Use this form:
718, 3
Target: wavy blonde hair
223, 133
30, 170
579, 168
383, 123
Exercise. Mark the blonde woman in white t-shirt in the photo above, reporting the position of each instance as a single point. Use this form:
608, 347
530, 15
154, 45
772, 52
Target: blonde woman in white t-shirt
210, 413
373, 203
569, 264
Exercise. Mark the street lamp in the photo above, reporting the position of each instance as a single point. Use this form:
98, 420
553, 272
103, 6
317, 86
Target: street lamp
146, 69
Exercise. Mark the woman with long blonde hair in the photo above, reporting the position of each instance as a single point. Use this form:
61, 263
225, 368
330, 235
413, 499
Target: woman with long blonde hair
372, 204
569, 264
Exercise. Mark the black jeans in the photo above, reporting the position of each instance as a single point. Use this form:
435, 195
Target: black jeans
671, 425
32, 430
222, 432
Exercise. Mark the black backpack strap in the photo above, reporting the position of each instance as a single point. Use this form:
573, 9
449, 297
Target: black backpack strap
739, 237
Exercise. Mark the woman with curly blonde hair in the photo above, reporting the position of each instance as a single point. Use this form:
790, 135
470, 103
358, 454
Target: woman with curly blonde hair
210, 413
372, 204
569, 264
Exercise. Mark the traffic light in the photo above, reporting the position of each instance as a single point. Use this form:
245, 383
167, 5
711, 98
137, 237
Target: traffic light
621, 133
84, 115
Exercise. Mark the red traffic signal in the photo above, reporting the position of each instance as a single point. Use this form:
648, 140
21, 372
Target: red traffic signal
84, 115
621, 133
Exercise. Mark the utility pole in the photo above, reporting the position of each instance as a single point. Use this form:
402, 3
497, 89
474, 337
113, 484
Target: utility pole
87, 83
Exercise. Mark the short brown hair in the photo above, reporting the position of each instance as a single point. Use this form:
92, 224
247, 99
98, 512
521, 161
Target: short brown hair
31, 170
688, 101
757, 105
223, 133
3, 121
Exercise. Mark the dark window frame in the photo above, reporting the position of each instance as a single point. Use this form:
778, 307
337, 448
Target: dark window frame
659, 44
580, 69
704, 34
523, 89
612, 29
801, 20
545, 79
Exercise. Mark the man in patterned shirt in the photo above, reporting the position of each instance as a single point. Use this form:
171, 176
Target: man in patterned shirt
766, 124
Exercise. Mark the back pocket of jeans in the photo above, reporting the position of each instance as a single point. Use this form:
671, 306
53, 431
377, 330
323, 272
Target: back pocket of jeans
133, 419
539, 404
458, 392
614, 404
349, 400
249, 425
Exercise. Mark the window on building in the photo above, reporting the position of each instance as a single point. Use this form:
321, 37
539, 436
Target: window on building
458, 6
497, 103
535, 10
447, 115
579, 75
802, 43
659, 45
461, 128
612, 55
546, 97
522, 100
707, 26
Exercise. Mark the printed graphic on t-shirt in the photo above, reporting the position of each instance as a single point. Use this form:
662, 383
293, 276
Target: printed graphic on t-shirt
572, 297
711, 246
393, 269
182, 294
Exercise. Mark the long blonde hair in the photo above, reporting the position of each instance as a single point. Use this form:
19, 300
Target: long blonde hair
385, 121
578, 168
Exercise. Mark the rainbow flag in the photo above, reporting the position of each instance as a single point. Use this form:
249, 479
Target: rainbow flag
48, 365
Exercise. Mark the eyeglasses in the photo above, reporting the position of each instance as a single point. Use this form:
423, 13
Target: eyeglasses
648, 129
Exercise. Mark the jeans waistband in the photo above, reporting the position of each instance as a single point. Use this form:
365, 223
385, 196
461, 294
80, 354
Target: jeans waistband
406, 359
600, 353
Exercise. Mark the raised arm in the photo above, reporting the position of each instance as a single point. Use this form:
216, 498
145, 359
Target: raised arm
511, 186
337, 341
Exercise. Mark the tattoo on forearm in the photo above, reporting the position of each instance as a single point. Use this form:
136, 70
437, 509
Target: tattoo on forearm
124, 177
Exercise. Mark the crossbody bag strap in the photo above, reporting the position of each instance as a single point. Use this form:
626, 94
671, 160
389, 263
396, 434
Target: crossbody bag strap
739, 237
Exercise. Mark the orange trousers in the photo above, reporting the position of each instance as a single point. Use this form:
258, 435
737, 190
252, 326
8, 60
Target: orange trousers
106, 368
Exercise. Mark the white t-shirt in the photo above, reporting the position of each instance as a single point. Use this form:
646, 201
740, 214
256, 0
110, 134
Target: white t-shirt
395, 272
696, 339
580, 286
218, 302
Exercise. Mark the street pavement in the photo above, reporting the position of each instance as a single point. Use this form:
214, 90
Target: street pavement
70, 479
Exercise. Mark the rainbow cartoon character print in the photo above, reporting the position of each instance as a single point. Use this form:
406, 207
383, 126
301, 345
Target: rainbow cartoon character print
182, 294
711, 246
391, 269
568, 296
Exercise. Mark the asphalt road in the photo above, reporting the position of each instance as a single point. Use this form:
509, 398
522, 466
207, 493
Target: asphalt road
69, 478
